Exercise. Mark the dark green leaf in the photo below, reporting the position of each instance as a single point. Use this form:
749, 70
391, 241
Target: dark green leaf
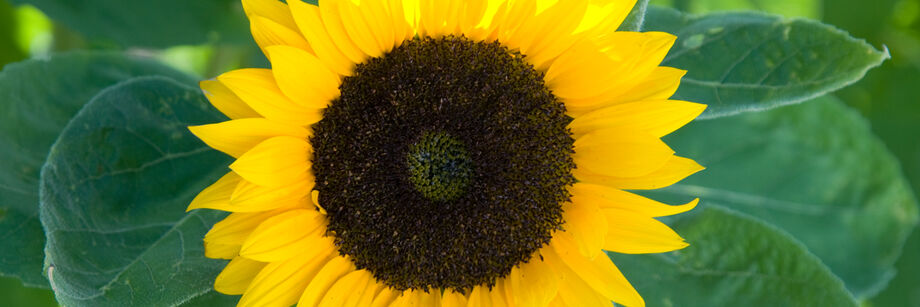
114, 193
740, 62
15, 294
37, 98
888, 98
904, 289
143, 23
733, 260
635, 18
9, 51
814, 170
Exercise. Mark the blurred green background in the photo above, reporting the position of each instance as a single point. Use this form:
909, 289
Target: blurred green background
888, 96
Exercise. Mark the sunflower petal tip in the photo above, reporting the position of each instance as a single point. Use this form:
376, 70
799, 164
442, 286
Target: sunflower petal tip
692, 204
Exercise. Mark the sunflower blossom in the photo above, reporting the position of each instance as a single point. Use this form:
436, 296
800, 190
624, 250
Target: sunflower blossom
443, 153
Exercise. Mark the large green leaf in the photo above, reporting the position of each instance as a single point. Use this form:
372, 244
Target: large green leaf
733, 260
37, 98
739, 62
113, 197
814, 170
144, 23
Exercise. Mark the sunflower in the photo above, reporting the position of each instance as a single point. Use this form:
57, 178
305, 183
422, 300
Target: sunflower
455, 153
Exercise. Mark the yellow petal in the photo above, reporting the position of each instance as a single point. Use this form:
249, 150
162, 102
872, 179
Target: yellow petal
330, 13
385, 297
418, 298
453, 299
429, 23
576, 293
660, 84
295, 233
216, 195
518, 13
558, 302
629, 59
276, 162
327, 276
267, 33
402, 29
584, 71
221, 251
573, 291
586, 224
593, 72
249, 197
258, 89
226, 101
674, 170
367, 299
600, 273
550, 28
236, 227
472, 14
237, 276
348, 290
634, 233
657, 118
498, 295
235, 137
273, 10
280, 283
558, 38
303, 77
480, 297
311, 24
381, 23
612, 198
533, 283
358, 28
605, 15
620, 152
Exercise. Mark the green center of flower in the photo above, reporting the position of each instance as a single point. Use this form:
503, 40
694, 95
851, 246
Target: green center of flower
439, 166
443, 164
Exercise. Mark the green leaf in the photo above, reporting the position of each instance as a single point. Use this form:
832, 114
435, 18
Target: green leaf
113, 198
733, 260
9, 52
814, 170
142, 23
37, 98
635, 18
904, 289
741, 62
15, 294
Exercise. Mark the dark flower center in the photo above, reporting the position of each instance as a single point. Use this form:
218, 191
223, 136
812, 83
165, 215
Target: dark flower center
443, 164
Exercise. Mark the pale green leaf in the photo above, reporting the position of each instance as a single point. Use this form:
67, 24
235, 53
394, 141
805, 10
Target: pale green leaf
113, 199
635, 18
814, 170
741, 62
733, 260
37, 98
